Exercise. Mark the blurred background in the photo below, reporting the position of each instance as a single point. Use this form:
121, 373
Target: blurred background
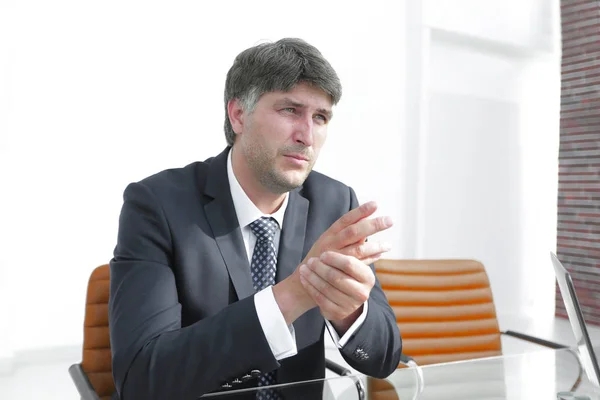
450, 119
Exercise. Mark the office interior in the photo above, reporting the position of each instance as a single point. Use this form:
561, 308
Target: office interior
459, 118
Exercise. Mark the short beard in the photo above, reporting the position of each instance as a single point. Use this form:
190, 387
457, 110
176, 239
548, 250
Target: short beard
263, 166
276, 184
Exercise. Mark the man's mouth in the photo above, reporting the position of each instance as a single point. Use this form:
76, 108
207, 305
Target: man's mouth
298, 157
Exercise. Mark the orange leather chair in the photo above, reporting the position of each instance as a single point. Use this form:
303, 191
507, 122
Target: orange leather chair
93, 376
445, 312
444, 309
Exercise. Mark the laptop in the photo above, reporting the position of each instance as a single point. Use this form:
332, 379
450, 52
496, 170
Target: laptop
584, 344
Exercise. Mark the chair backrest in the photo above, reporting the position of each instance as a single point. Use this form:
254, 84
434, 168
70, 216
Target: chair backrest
96, 359
444, 308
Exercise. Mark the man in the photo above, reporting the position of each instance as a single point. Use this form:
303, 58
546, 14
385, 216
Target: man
227, 272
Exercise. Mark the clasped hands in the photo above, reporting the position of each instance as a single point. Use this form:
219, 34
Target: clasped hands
335, 275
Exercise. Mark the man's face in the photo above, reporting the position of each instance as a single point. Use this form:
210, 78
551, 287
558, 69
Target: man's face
281, 139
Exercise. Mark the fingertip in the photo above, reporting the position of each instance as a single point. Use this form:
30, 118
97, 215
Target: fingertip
370, 206
324, 256
388, 222
302, 279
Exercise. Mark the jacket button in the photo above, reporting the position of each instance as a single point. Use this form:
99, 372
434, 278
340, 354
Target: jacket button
236, 381
246, 377
255, 373
226, 385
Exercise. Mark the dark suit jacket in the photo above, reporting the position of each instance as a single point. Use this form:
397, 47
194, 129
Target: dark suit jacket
181, 311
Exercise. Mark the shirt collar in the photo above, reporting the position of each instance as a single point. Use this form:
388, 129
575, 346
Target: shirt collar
245, 209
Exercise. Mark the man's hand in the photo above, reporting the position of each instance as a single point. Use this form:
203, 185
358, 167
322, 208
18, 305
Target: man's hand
347, 237
349, 233
339, 285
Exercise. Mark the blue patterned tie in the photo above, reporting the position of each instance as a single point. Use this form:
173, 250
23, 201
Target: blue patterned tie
262, 269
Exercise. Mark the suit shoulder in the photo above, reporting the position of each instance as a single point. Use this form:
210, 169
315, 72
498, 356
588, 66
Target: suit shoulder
174, 175
177, 180
329, 199
321, 185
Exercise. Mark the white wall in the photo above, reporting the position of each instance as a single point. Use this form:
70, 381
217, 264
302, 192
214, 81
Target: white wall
102, 94
489, 149
6, 314
96, 95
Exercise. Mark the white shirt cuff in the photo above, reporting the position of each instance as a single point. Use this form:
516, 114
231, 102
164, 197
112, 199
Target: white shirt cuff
357, 324
280, 336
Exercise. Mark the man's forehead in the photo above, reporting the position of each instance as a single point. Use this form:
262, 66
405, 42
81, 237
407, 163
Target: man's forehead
303, 97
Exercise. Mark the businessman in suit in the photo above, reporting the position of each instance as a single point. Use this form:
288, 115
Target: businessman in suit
228, 272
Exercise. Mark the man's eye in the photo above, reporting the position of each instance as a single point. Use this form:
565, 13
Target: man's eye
289, 109
321, 117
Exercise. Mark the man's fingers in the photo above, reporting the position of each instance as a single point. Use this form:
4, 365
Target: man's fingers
332, 287
329, 309
352, 267
353, 216
372, 259
365, 251
361, 229
334, 304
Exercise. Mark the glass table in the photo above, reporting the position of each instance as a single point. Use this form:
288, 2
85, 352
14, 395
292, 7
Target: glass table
535, 375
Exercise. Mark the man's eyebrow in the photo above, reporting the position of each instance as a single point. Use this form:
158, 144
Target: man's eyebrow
288, 101
328, 113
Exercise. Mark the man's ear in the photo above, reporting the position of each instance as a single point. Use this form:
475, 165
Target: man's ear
236, 115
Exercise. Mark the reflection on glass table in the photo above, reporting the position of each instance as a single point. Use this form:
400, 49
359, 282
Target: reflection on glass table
339, 387
535, 375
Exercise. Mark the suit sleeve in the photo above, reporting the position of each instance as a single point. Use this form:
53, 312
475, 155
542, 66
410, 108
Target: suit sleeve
153, 357
376, 346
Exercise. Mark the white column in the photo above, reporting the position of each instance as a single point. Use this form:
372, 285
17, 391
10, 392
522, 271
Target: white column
489, 157
7, 324
413, 151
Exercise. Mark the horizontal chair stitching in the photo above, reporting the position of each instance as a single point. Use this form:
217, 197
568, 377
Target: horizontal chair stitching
463, 335
443, 351
436, 320
439, 303
485, 337
448, 288
89, 324
432, 273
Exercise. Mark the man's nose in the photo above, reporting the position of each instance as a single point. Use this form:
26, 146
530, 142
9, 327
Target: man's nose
304, 131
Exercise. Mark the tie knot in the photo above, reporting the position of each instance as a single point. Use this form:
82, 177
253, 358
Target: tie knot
264, 228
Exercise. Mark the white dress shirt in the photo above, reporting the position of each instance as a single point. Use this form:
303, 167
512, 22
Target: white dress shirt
280, 336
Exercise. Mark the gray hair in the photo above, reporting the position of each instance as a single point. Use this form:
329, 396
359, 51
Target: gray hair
279, 66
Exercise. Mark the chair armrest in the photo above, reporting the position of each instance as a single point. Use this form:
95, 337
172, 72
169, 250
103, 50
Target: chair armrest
336, 368
82, 383
341, 371
536, 340
406, 360
411, 363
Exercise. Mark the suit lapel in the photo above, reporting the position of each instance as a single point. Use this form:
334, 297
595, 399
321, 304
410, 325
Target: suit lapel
291, 242
223, 221
221, 216
309, 327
